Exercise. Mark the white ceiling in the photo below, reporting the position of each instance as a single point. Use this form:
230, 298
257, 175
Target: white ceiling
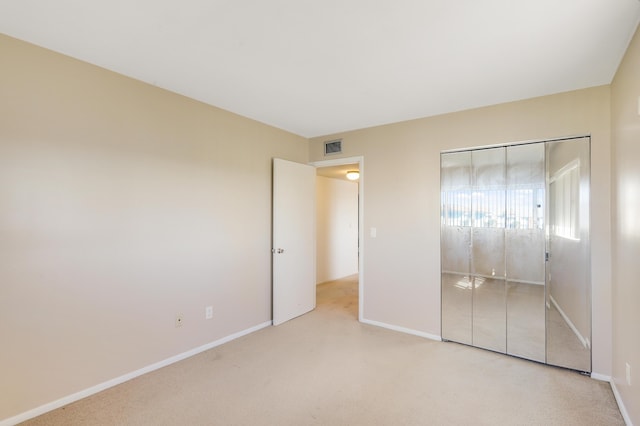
315, 67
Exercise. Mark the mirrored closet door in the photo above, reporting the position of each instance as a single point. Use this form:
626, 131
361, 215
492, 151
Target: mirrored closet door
568, 283
514, 250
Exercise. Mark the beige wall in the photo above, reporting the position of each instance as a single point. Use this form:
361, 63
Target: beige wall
625, 119
337, 229
402, 192
120, 205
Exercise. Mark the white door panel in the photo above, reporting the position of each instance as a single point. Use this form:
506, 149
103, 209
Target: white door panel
294, 240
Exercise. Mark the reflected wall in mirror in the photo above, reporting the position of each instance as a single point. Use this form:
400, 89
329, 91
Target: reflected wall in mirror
502, 211
568, 280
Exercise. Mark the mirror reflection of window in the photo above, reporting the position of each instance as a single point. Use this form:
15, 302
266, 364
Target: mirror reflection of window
456, 208
524, 207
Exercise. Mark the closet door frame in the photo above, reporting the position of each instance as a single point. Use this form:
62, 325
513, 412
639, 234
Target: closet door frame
517, 287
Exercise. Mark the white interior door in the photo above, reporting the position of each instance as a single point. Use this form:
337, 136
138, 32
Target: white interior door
294, 240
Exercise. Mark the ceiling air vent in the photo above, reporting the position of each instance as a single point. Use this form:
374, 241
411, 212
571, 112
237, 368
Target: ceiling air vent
333, 147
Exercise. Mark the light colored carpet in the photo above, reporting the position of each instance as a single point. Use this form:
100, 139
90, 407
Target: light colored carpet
325, 368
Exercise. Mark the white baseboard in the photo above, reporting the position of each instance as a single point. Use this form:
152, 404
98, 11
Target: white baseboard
621, 406
601, 377
118, 380
616, 394
402, 329
585, 342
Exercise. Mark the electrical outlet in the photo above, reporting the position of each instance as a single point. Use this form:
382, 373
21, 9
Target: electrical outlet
208, 312
628, 374
179, 320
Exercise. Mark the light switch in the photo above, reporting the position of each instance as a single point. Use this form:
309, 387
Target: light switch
374, 232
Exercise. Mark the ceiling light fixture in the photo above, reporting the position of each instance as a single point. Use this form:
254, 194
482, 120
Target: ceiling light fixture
353, 175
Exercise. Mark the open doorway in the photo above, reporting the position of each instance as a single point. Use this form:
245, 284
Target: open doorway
339, 248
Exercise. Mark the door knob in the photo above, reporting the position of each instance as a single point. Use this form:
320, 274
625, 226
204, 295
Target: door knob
280, 250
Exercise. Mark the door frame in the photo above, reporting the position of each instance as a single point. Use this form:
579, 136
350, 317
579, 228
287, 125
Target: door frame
360, 161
